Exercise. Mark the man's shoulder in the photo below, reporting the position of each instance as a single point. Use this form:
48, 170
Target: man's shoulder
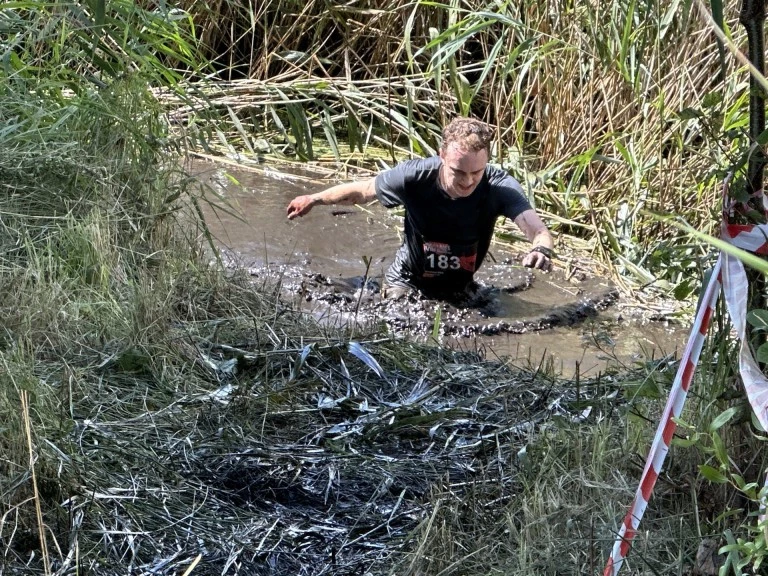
419, 166
508, 195
496, 174
418, 172
499, 178
408, 177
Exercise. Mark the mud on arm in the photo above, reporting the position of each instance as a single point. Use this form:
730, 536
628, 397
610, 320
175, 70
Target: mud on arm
357, 192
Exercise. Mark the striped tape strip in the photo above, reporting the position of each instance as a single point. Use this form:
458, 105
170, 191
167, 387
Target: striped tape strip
730, 271
666, 429
751, 238
736, 290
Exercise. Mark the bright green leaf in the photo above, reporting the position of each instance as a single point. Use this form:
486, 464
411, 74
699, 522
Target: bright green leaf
719, 446
712, 474
758, 319
722, 419
436, 324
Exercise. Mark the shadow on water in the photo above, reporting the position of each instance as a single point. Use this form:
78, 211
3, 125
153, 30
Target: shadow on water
562, 322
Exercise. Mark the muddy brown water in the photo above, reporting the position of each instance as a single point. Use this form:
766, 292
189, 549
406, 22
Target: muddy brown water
559, 321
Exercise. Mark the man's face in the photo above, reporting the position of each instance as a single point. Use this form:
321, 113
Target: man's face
462, 170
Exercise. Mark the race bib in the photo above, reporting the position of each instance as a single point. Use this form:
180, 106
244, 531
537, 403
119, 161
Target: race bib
441, 259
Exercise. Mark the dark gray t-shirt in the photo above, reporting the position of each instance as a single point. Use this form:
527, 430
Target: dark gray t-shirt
446, 239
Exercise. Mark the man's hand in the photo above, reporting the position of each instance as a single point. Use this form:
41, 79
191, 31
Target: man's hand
537, 259
300, 206
541, 254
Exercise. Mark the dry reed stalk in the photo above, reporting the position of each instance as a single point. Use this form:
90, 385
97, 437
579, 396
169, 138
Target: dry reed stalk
41, 527
192, 566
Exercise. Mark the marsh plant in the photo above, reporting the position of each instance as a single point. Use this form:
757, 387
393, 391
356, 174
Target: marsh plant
609, 113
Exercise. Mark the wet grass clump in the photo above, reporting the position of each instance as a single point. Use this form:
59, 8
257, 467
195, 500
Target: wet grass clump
231, 434
244, 439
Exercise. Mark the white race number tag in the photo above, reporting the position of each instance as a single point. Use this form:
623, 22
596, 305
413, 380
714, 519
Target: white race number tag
441, 258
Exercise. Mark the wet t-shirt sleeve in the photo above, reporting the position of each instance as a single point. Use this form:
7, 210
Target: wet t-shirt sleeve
389, 186
507, 194
407, 177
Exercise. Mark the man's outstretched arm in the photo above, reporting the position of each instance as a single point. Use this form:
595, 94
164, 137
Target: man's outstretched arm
357, 192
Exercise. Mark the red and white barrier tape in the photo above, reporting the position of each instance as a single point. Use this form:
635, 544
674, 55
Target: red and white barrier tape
730, 271
667, 425
735, 289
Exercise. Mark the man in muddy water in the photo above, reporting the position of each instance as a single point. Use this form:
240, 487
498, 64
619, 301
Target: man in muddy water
451, 204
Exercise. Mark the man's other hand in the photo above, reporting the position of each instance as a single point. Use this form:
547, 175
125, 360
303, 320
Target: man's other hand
535, 259
300, 206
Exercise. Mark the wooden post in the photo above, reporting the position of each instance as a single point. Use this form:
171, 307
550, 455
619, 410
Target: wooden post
752, 17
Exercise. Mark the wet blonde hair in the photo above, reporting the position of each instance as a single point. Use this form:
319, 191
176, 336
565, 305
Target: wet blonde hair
468, 134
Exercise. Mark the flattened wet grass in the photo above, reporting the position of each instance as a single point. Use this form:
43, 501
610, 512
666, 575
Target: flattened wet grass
292, 452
